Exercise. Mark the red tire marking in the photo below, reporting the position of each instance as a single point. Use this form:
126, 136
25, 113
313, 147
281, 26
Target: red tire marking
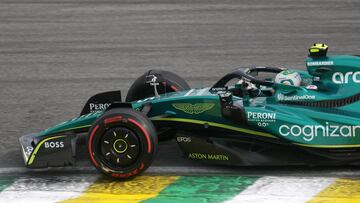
89, 146
174, 88
142, 166
126, 175
112, 119
144, 131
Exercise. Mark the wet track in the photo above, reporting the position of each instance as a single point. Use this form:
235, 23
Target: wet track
56, 54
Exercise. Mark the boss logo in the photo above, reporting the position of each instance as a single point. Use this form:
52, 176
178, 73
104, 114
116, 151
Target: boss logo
183, 139
54, 145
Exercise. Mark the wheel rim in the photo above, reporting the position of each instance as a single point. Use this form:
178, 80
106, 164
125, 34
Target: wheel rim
120, 147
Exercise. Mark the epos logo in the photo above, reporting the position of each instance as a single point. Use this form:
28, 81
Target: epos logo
341, 78
184, 139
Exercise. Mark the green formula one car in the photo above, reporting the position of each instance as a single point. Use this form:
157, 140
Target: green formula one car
251, 116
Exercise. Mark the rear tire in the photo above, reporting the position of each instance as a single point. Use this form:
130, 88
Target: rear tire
170, 82
122, 143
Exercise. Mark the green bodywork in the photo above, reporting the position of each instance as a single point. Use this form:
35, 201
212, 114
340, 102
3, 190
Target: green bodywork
337, 77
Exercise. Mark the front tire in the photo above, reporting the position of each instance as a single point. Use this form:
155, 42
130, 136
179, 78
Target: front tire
122, 143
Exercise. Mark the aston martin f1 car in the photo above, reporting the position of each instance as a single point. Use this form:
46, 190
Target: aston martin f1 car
245, 118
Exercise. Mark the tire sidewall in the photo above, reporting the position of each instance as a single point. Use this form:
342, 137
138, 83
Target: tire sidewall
136, 122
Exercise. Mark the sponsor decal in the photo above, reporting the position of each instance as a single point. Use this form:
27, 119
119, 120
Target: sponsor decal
54, 145
309, 132
320, 63
219, 89
98, 107
216, 157
262, 118
341, 78
197, 108
282, 97
29, 150
311, 87
183, 139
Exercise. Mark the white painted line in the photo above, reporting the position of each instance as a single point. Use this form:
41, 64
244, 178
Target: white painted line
46, 190
282, 190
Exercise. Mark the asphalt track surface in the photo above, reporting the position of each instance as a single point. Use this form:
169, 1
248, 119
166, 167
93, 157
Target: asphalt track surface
55, 54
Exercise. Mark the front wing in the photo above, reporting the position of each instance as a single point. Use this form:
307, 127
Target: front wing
48, 151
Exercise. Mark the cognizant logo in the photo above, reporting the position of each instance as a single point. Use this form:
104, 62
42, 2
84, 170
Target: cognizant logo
309, 132
341, 78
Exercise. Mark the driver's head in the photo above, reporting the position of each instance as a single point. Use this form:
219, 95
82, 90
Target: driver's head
288, 77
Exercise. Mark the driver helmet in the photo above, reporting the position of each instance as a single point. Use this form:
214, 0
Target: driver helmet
288, 77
